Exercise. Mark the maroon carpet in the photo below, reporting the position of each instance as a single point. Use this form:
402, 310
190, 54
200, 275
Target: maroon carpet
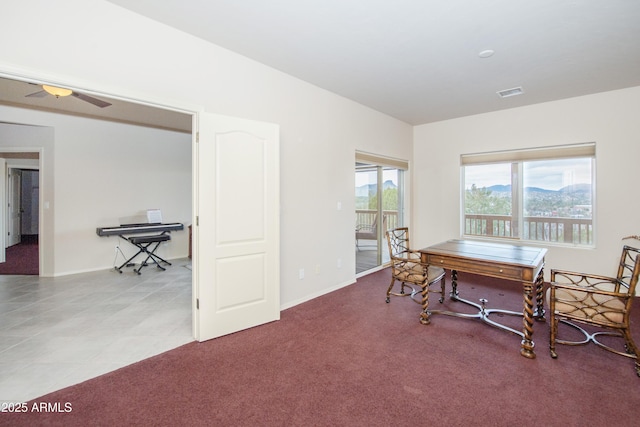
21, 259
350, 359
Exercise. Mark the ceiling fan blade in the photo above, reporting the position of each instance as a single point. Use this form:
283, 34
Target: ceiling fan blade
95, 101
39, 94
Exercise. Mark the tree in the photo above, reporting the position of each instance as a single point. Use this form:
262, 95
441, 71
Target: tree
389, 200
483, 201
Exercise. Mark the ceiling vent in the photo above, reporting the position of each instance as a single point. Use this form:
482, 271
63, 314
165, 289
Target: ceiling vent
510, 92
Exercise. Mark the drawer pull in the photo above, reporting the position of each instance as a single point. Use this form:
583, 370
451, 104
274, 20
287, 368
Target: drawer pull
500, 270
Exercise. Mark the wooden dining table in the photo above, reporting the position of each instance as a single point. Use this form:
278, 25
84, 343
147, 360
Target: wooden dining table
521, 264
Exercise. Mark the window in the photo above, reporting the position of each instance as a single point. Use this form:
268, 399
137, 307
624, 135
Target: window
544, 195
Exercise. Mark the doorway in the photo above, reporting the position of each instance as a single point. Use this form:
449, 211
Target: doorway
22, 214
379, 195
19, 131
30, 205
151, 117
25, 133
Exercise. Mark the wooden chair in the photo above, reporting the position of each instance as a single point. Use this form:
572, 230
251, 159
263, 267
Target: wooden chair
599, 301
369, 232
407, 269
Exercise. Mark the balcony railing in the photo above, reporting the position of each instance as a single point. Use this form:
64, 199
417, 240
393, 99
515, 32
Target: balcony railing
577, 231
367, 217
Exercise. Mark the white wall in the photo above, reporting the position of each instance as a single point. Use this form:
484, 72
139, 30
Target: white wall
104, 172
609, 119
114, 51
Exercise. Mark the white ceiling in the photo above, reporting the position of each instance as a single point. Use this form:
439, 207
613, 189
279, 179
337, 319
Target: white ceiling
417, 60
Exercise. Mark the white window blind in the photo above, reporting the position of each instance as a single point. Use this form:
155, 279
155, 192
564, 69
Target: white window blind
531, 154
373, 159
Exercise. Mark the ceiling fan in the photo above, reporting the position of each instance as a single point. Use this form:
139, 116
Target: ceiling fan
58, 92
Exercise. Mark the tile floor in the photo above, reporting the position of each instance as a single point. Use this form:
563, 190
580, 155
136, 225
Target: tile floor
56, 332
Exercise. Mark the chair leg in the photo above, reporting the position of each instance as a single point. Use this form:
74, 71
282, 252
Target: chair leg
553, 324
629, 345
402, 292
442, 290
393, 279
631, 348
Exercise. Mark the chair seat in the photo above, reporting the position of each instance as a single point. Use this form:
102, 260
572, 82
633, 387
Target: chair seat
596, 300
407, 268
605, 309
413, 272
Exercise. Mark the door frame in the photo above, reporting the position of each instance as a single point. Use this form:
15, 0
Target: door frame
30, 76
3, 204
377, 163
15, 197
4, 211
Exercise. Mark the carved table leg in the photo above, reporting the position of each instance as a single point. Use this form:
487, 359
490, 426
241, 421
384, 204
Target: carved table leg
454, 284
424, 316
539, 313
527, 342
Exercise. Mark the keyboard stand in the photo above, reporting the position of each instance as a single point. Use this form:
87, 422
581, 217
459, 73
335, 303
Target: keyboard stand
146, 245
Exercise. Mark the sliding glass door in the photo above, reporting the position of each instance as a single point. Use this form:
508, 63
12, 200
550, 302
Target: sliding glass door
379, 205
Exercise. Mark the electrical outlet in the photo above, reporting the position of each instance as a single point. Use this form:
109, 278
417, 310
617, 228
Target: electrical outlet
301, 274
339, 263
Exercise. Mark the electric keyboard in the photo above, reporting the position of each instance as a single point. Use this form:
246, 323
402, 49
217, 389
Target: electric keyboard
146, 244
138, 228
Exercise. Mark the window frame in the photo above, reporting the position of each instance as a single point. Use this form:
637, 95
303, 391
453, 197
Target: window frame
367, 162
517, 159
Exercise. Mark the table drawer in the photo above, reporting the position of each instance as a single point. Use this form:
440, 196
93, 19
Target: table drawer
477, 267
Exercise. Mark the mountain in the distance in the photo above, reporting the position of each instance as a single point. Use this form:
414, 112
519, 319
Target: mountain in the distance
500, 188
368, 189
575, 188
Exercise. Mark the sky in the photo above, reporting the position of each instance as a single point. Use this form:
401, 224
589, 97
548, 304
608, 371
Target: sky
548, 174
363, 178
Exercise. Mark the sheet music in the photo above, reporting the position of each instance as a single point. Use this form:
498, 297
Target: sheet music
154, 216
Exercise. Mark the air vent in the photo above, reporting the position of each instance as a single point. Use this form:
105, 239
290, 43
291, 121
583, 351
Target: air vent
510, 92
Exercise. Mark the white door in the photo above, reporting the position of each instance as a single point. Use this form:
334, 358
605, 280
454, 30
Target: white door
236, 259
15, 207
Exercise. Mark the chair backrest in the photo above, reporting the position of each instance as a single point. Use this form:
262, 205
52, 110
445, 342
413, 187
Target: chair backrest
398, 241
374, 224
370, 228
628, 270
